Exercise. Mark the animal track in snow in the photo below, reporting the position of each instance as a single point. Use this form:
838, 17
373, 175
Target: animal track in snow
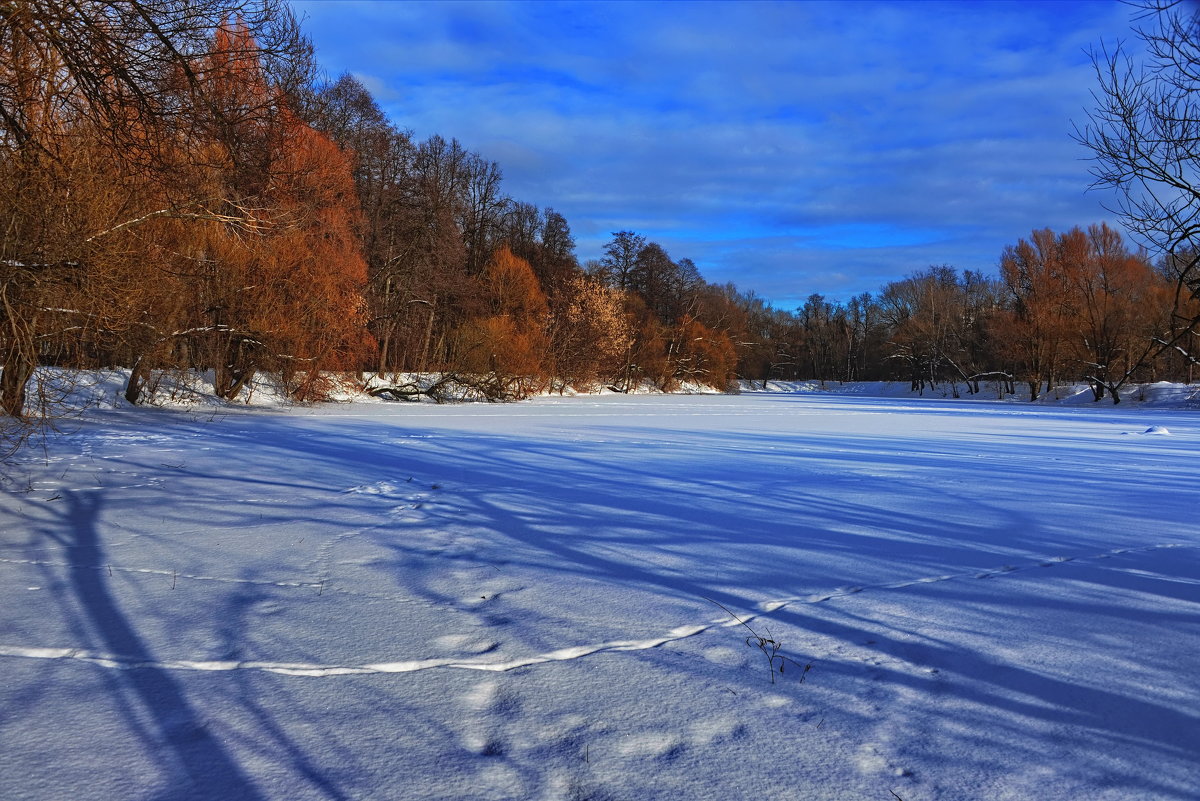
774, 605
160, 572
481, 661
304, 669
318, 585
408, 491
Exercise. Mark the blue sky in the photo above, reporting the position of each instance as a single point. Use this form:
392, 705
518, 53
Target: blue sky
790, 148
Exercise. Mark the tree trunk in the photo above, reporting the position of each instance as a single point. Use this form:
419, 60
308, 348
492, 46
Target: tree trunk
424, 365
385, 343
14, 378
137, 380
236, 379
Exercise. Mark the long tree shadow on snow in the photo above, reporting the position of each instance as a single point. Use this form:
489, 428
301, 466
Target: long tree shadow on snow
195, 763
1102, 711
598, 502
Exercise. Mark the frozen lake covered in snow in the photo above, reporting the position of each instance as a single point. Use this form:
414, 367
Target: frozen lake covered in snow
536, 600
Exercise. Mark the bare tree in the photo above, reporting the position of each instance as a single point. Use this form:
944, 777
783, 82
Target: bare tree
555, 262
481, 211
1144, 134
617, 267
930, 320
650, 276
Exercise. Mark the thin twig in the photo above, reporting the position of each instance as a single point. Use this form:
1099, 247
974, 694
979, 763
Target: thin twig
768, 645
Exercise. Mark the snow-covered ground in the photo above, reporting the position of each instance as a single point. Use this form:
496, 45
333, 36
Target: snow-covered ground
1161, 394
528, 601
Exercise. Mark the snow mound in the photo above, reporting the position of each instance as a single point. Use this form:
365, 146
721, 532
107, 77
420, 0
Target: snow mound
378, 488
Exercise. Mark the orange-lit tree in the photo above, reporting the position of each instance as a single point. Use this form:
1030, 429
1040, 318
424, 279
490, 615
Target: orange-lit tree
589, 335
267, 258
1032, 336
1121, 304
504, 352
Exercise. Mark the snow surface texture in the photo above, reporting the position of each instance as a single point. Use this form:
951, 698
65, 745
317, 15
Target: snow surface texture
393, 601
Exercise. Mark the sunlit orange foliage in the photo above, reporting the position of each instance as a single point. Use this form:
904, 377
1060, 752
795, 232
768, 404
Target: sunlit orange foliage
1083, 302
509, 346
701, 355
265, 254
1121, 303
590, 333
1033, 336
313, 272
513, 289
